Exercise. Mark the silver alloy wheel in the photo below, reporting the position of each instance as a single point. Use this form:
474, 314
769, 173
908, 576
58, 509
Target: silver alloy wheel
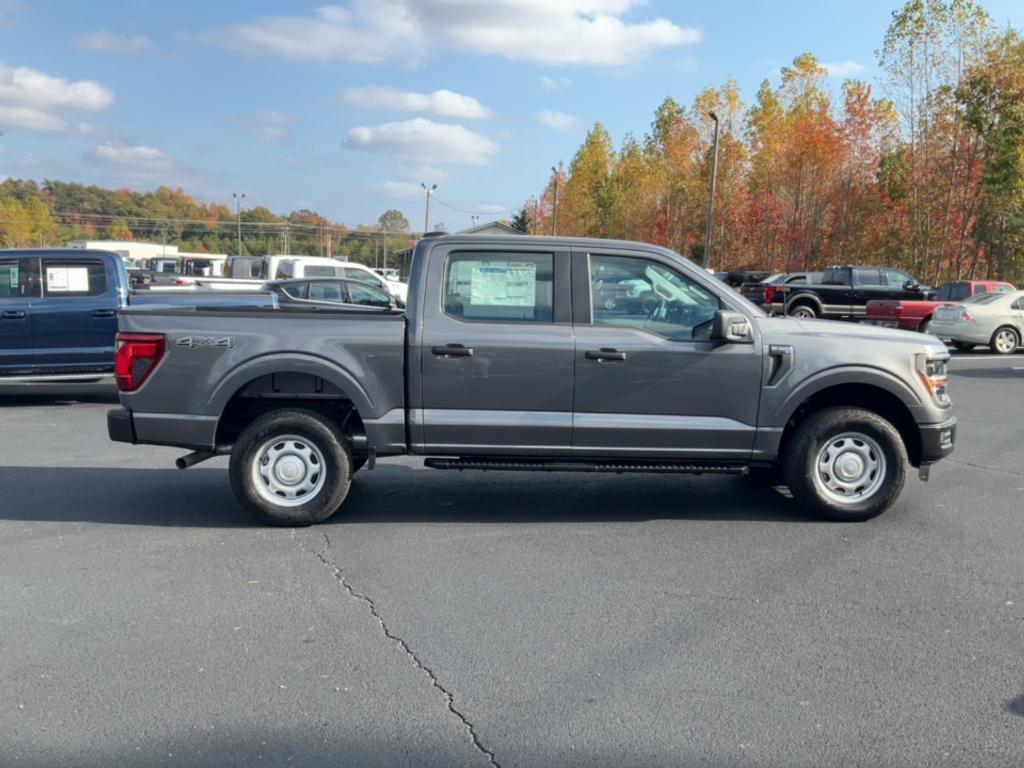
804, 312
850, 468
288, 471
1005, 341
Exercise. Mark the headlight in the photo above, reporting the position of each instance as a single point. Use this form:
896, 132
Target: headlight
932, 372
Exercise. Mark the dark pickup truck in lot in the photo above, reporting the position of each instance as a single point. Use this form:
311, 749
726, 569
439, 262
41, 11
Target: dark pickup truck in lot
58, 312
843, 293
504, 360
762, 292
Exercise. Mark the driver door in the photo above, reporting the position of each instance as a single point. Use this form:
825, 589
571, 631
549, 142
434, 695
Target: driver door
649, 381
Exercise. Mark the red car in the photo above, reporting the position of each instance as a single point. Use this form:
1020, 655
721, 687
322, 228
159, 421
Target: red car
917, 315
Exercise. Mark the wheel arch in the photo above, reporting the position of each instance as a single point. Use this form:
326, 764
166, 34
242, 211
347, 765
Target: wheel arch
802, 299
877, 392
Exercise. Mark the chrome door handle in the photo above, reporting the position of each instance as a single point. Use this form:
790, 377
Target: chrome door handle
453, 350
14, 314
604, 353
103, 313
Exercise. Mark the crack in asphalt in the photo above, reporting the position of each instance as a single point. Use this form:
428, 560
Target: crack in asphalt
404, 646
982, 466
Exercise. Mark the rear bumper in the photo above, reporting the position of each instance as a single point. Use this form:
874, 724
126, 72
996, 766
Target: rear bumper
937, 440
119, 425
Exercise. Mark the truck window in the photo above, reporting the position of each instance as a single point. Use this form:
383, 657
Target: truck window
500, 287
315, 271
897, 279
73, 278
325, 291
945, 293
10, 279
998, 288
362, 275
960, 291
868, 277
645, 295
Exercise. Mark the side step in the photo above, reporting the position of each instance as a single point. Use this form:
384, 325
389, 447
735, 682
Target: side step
585, 465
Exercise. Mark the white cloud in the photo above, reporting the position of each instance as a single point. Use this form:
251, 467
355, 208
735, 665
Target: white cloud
554, 83
107, 42
558, 121
136, 159
844, 68
398, 188
546, 31
31, 88
423, 140
30, 119
267, 125
443, 102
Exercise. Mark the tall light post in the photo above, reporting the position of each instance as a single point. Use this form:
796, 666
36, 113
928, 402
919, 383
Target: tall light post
426, 217
238, 217
711, 192
554, 211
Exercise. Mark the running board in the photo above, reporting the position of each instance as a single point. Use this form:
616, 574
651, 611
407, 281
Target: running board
584, 465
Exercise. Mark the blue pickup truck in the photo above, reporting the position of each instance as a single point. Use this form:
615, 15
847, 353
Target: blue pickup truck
58, 311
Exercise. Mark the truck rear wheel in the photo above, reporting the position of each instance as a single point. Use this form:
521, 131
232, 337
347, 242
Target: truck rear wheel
803, 311
845, 464
291, 467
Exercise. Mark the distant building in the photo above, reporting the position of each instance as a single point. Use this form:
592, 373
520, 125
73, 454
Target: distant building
138, 253
492, 228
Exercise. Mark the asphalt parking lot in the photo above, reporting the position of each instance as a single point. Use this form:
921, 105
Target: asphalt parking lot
514, 619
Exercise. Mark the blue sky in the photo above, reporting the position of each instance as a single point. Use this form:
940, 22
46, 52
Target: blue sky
345, 108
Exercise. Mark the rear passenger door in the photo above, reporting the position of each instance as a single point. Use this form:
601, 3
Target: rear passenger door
869, 283
494, 352
15, 315
74, 321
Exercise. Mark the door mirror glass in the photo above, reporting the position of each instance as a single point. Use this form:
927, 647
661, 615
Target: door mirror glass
910, 285
731, 327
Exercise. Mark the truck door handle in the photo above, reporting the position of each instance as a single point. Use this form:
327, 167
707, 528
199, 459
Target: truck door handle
14, 314
103, 313
604, 353
453, 350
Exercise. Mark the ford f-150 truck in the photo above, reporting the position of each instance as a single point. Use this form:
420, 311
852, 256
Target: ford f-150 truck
58, 312
843, 293
913, 315
504, 360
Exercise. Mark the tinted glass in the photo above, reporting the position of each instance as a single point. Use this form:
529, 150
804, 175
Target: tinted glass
320, 271
354, 273
325, 291
1001, 289
506, 287
367, 295
73, 278
868, 276
896, 279
945, 293
960, 291
648, 296
10, 279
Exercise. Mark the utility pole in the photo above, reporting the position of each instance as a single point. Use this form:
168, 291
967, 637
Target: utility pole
426, 218
286, 251
711, 192
474, 218
238, 217
554, 213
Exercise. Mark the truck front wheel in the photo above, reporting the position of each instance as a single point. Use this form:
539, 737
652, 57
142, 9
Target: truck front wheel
291, 467
845, 464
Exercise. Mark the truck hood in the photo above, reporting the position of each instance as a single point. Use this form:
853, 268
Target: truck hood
845, 332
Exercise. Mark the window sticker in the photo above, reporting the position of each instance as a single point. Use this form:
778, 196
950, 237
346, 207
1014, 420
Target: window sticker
510, 285
78, 279
57, 279
14, 276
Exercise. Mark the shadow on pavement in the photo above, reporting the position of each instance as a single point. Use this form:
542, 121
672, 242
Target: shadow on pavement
392, 493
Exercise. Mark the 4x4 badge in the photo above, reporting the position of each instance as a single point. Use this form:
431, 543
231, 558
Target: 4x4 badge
194, 342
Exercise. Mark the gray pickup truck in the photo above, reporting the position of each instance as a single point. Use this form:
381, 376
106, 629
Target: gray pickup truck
516, 353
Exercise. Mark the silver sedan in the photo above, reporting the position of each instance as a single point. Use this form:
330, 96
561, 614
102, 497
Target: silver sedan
992, 319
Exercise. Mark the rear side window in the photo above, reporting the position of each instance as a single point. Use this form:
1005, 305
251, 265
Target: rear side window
501, 287
960, 291
323, 271
1001, 289
868, 276
10, 279
981, 289
325, 291
73, 278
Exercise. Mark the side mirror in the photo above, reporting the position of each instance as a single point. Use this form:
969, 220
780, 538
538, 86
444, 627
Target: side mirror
732, 328
910, 285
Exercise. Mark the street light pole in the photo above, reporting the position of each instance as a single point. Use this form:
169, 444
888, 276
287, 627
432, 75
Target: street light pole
426, 217
711, 193
238, 217
554, 211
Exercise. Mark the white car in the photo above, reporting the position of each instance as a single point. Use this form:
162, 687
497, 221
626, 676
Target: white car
992, 319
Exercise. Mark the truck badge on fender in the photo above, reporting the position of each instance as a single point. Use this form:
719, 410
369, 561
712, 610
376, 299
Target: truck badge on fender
195, 342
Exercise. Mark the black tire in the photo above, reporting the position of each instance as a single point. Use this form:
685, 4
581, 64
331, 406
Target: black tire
963, 346
807, 482
803, 310
313, 432
1011, 335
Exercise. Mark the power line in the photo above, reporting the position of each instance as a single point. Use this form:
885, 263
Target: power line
464, 210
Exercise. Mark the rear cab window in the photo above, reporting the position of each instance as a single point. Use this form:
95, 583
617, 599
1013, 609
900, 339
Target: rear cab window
499, 287
65, 278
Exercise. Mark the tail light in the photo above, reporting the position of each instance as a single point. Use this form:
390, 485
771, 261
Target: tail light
184, 281
965, 316
136, 356
769, 294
